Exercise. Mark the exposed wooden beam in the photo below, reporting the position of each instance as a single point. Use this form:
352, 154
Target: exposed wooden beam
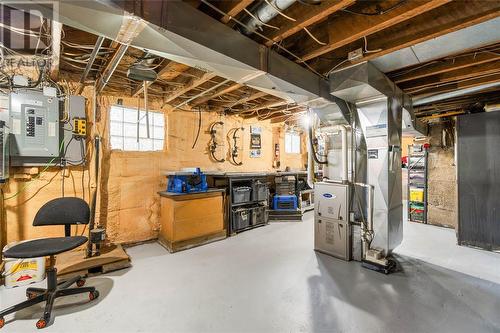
266, 105
233, 8
467, 83
442, 115
193, 83
349, 28
441, 21
219, 92
304, 18
56, 28
244, 100
442, 66
284, 117
456, 75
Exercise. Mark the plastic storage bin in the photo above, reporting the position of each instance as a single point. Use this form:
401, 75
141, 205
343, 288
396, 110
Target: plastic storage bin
417, 194
259, 215
21, 272
260, 191
241, 218
241, 194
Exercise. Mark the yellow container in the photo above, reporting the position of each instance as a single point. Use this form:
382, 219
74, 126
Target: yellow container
417, 195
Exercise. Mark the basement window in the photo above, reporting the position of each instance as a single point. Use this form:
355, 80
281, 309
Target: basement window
292, 143
123, 129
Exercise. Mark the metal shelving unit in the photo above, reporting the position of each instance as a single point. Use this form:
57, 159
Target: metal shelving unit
230, 182
417, 182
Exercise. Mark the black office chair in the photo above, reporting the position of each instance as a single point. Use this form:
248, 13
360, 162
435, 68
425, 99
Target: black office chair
62, 211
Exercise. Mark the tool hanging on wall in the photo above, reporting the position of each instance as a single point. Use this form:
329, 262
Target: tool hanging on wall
234, 153
213, 144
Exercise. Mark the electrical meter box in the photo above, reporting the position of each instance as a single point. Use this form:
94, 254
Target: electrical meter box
34, 125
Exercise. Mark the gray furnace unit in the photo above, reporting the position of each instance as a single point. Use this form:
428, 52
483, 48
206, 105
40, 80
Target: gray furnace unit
331, 220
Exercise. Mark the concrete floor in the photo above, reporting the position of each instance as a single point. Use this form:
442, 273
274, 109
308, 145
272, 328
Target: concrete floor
270, 280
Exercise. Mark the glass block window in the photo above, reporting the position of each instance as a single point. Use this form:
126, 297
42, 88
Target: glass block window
126, 135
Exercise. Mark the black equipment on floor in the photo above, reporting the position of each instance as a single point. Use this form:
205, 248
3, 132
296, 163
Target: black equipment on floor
62, 211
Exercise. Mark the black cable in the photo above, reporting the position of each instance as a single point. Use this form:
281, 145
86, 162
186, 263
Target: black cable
199, 129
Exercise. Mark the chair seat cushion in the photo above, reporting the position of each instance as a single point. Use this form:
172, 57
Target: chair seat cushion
44, 247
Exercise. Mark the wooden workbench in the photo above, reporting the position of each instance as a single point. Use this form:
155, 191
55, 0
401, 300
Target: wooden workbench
191, 219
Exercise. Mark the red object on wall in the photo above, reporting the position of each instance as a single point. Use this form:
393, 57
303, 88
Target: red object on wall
427, 145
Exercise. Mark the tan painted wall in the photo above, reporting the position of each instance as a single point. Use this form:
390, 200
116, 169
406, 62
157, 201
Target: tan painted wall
128, 204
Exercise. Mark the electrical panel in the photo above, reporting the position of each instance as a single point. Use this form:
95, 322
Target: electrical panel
34, 126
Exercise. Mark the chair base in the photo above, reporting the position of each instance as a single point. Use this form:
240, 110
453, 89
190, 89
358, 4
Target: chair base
49, 295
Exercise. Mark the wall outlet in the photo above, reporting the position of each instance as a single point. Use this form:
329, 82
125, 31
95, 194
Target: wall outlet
356, 54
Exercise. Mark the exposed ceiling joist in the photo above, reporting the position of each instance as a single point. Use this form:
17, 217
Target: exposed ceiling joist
304, 18
244, 100
467, 83
441, 21
450, 76
193, 83
219, 92
266, 105
349, 28
233, 8
443, 66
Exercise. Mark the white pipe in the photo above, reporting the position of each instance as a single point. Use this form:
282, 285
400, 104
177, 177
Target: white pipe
266, 13
310, 159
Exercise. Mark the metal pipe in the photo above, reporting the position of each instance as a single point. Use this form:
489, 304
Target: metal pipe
93, 55
110, 68
146, 107
452, 94
265, 13
368, 226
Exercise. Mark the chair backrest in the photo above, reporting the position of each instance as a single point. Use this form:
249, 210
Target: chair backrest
63, 211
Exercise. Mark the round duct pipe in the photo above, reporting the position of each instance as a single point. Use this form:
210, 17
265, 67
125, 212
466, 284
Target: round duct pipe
265, 13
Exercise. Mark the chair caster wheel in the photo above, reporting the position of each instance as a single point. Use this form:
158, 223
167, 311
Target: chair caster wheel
80, 283
2, 322
31, 295
42, 323
93, 295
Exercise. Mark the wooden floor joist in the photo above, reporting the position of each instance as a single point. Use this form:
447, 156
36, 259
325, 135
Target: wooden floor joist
219, 92
193, 83
304, 18
348, 28
233, 8
443, 66
441, 21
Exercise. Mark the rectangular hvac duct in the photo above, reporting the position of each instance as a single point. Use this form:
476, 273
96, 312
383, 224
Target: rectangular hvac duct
379, 105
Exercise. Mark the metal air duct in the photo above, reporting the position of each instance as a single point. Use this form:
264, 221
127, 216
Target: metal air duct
379, 105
